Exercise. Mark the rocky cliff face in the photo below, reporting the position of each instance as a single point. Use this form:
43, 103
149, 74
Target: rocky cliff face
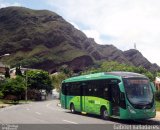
42, 39
137, 59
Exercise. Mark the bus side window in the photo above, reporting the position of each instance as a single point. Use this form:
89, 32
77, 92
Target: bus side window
73, 89
63, 89
90, 89
106, 91
67, 89
76, 89
95, 88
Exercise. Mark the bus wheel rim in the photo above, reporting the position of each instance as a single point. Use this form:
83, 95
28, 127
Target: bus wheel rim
72, 108
105, 113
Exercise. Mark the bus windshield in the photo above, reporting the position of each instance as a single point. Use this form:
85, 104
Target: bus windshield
138, 91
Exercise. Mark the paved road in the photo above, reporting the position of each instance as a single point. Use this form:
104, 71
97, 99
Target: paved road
48, 112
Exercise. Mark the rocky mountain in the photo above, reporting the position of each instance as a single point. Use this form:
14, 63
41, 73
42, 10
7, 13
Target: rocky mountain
137, 59
43, 39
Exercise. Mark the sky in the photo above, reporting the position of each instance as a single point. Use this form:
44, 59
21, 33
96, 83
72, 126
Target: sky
122, 23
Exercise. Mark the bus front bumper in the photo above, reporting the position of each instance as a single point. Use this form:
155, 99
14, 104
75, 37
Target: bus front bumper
138, 114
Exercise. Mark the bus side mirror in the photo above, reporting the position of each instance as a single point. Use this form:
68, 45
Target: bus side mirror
153, 87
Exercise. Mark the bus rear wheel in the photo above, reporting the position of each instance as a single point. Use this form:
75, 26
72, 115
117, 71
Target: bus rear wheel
104, 114
72, 108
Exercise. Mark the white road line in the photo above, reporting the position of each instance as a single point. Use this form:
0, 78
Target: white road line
48, 104
69, 121
27, 109
38, 113
52, 108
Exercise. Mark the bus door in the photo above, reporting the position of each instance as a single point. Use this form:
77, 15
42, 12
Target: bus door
63, 96
82, 97
115, 99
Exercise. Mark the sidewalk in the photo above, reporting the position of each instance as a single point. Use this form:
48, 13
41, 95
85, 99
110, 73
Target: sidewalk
4, 105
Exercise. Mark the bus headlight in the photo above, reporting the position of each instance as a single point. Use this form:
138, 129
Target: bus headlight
131, 110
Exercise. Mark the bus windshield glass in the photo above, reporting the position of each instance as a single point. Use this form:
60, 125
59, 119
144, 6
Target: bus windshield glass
138, 91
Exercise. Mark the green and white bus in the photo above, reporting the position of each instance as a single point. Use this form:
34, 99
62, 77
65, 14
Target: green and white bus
122, 95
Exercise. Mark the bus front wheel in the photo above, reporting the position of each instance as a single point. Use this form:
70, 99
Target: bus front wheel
72, 108
104, 113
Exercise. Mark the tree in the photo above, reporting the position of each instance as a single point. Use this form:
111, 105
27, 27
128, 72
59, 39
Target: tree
1, 88
57, 80
158, 74
7, 74
1, 94
14, 88
66, 70
39, 79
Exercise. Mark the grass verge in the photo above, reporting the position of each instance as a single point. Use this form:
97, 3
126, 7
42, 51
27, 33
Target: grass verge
2, 102
158, 105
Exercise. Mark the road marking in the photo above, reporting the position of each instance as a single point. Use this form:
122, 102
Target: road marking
8, 108
28, 109
48, 104
53, 108
69, 121
38, 113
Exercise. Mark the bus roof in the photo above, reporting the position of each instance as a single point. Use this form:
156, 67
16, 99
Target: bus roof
126, 74
104, 75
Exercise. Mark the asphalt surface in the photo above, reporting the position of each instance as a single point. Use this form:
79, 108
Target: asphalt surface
48, 112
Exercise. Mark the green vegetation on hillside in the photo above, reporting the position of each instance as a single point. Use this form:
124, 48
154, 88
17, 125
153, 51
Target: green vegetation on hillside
109, 66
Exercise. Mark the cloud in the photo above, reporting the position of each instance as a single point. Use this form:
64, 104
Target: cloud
93, 34
4, 4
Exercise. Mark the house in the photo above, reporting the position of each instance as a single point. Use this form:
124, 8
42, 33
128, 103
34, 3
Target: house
157, 83
13, 71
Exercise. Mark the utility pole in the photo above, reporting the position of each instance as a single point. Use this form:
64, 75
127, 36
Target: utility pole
26, 92
135, 47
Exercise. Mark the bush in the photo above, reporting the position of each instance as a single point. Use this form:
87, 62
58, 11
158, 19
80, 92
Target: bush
11, 99
34, 94
13, 88
157, 96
